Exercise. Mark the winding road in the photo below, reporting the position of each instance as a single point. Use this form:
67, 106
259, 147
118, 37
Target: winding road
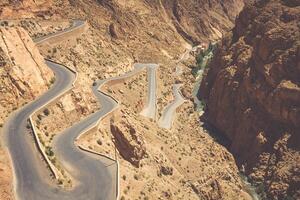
93, 177
168, 114
32, 180
76, 24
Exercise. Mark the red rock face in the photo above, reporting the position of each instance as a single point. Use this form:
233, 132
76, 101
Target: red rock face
252, 91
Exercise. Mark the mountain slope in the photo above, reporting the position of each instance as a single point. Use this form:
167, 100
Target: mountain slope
201, 20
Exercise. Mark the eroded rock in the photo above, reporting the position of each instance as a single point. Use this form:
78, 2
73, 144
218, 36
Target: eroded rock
128, 142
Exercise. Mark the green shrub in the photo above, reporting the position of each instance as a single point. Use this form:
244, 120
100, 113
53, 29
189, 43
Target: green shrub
49, 151
39, 116
60, 182
52, 80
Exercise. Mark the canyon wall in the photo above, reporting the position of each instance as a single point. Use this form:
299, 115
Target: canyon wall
15, 9
252, 94
194, 21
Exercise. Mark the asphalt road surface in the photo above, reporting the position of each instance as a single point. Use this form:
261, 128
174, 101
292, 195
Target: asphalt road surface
32, 179
169, 112
75, 25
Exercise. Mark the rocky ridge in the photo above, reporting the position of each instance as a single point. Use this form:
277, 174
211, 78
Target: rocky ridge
201, 20
254, 79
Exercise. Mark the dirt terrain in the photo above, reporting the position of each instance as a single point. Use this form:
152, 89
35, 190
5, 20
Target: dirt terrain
254, 79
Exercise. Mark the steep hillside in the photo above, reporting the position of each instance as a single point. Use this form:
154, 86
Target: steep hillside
195, 21
252, 94
200, 20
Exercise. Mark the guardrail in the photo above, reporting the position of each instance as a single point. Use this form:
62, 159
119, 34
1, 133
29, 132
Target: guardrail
110, 158
40, 148
52, 168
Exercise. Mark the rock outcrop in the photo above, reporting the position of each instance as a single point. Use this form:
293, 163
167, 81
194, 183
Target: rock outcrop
128, 142
24, 74
252, 94
121, 33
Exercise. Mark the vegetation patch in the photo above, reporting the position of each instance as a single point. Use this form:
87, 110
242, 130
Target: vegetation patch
203, 59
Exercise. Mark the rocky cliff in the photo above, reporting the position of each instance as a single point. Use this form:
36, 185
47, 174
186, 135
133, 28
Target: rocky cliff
196, 21
15, 9
128, 142
252, 94
24, 74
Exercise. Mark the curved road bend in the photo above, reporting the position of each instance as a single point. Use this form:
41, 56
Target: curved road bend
167, 117
32, 180
150, 109
168, 114
88, 170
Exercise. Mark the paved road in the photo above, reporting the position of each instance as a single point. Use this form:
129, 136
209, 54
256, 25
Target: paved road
168, 114
167, 117
32, 180
150, 109
75, 25
93, 179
